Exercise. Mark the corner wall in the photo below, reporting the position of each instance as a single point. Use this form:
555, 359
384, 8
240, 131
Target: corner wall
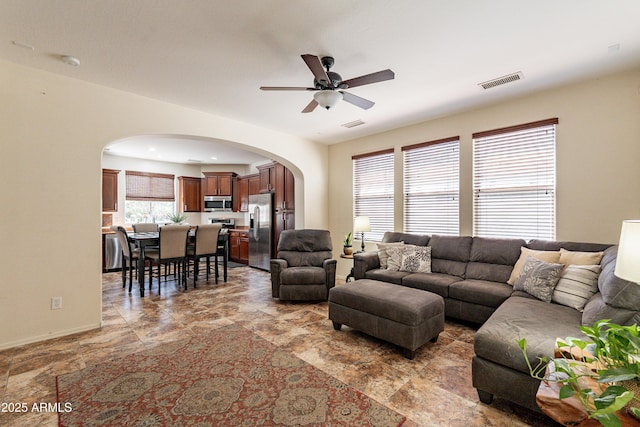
53, 131
598, 152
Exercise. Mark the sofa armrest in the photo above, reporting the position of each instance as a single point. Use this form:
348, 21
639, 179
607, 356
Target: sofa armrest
277, 265
363, 262
329, 266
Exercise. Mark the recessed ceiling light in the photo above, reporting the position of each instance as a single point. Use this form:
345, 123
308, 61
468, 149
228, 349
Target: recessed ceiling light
70, 60
214, 158
152, 149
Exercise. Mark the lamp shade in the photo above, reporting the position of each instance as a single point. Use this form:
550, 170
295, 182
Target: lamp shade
628, 260
327, 98
361, 224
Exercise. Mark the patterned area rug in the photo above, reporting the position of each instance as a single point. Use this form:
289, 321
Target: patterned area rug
229, 377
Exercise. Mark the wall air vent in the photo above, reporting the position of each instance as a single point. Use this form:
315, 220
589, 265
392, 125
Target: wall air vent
353, 124
501, 80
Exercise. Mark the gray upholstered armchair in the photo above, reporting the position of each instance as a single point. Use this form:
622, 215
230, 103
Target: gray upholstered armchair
303, 269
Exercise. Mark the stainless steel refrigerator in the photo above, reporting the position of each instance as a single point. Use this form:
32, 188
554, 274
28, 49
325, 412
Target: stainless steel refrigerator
260, 230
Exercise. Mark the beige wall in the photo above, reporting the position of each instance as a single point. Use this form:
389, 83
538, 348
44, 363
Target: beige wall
53, 132
598, 157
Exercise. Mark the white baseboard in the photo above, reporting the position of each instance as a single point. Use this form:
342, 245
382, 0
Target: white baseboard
58, 334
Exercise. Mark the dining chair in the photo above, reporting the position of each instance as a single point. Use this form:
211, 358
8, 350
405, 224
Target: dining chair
130, 255
143, 227
205, 246
172, 248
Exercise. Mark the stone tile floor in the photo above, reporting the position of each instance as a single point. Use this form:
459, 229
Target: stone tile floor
434, 389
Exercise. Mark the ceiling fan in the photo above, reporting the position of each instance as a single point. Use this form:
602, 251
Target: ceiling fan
329, 86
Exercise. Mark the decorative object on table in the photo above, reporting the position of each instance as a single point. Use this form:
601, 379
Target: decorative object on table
610, 357
347, 248
229, 376
177, 218
361, 225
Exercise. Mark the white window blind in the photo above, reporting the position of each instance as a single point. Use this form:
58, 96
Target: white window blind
431, 187
144, 186
514, 181
373, 191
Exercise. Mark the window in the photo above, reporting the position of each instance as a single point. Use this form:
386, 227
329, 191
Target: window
373, 191
431, 187
150, 197
514, 181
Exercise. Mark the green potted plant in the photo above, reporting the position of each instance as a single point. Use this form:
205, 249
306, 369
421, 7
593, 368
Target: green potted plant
177, 218
347, 244
610, 357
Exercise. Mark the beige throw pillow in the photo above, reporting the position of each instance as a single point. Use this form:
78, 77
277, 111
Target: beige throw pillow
383, 254
552, 257
580, 258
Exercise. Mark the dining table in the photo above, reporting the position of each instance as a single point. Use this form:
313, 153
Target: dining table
152, 238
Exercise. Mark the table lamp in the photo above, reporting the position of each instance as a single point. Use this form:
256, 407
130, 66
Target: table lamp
360, 225
628, 260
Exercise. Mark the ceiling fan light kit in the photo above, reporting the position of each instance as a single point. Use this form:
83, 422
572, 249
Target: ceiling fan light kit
326, 84
327, 98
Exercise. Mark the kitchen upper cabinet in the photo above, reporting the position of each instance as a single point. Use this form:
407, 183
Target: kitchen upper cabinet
254, 184
190, 197
284, 202
110, 190
241, 199
267, 178
218, 183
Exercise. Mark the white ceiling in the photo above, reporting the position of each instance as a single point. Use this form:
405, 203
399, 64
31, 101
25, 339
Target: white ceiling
213, 55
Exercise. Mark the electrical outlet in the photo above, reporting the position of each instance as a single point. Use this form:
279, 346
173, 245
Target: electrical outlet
56, 303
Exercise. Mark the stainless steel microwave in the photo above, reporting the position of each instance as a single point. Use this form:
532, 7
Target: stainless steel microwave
217, 203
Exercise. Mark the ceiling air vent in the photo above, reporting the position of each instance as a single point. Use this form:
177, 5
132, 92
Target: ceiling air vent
353, 124
194, 161
501, 80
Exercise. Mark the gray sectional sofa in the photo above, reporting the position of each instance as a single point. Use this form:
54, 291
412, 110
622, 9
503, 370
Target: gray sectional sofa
471, 274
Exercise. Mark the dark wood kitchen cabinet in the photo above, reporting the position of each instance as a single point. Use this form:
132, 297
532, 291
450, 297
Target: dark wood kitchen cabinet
254, 184
241, 195
267, 179
283, 202
218, 183
239, 246
190, 196
110, 190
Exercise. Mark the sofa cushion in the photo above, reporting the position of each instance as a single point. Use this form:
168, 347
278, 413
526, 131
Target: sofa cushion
483, 292
547, 256
303, 276
450, 254
580, 258
550, 245
538, 278
385, 275
526, 318
408, 238
437, 283
577, 284
615, 291
493, 259
597, 309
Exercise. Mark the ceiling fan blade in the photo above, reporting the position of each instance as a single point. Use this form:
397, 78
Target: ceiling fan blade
311, 106
357, 101
314, 64
367, 79
286, 88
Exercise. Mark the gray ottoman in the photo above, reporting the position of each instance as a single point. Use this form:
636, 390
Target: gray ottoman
403, 316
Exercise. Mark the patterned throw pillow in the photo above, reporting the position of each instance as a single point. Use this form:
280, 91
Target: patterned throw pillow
416, 259
548, 256
383, 255
577, 284
538, 278
394, 261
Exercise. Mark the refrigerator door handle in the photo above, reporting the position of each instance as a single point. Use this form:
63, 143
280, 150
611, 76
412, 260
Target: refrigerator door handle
256, 224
